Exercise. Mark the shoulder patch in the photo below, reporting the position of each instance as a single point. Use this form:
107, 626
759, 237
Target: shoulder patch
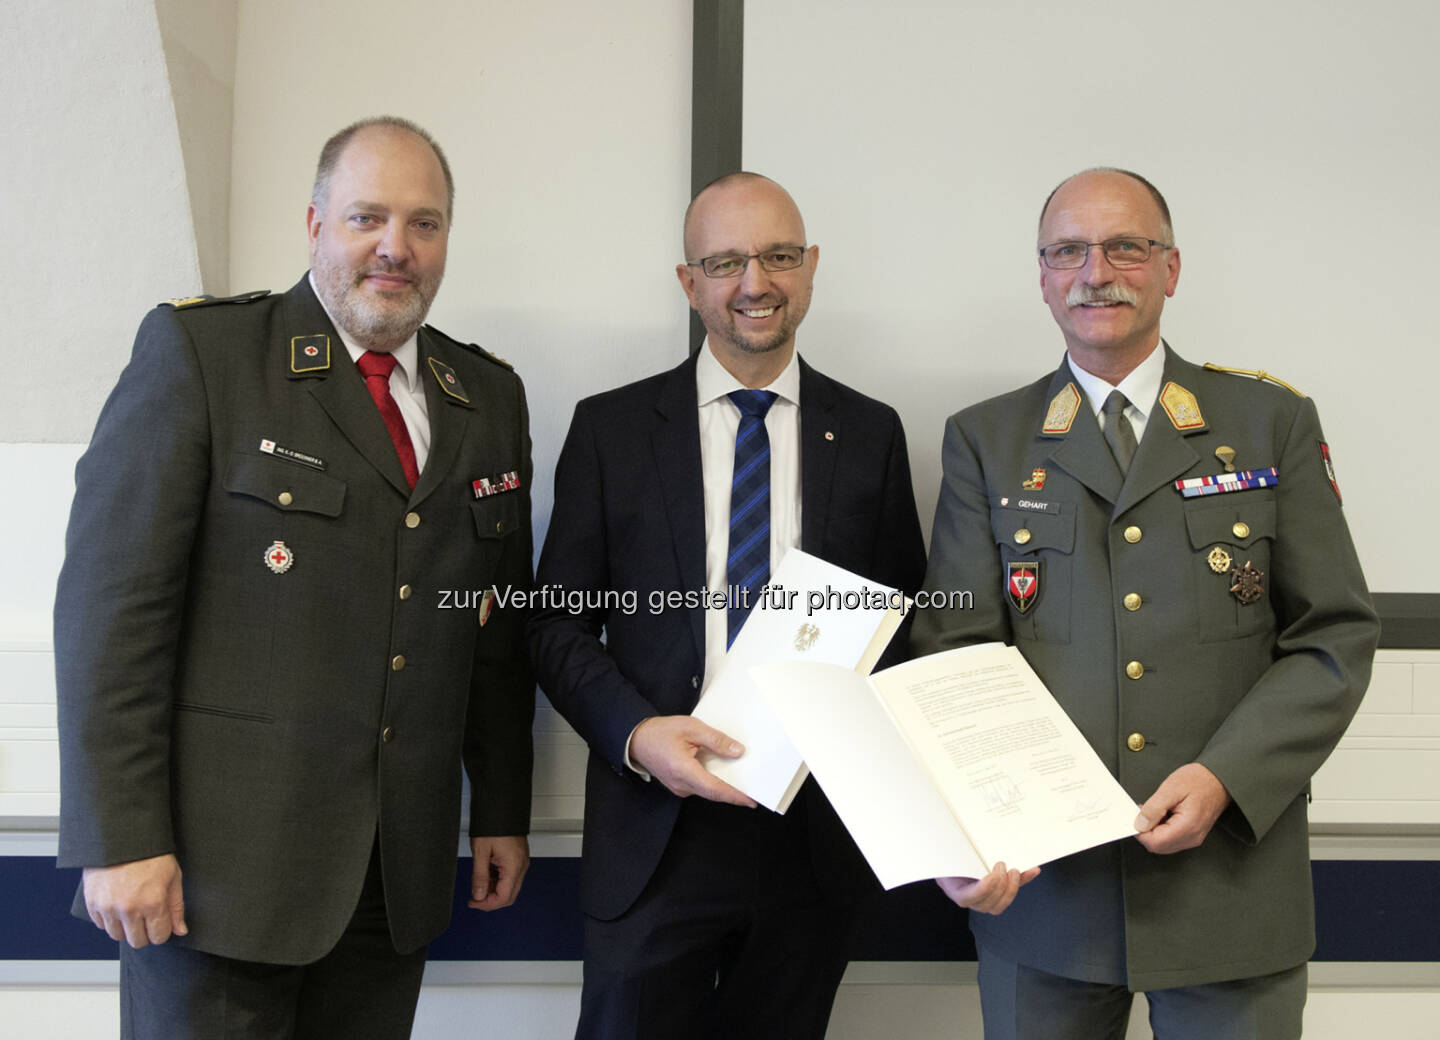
1257, 373
191, 302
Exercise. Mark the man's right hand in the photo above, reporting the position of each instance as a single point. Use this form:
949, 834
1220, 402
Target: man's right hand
666, 746
139, 902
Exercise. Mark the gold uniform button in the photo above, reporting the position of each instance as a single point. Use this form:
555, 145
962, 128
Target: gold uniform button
397, 662
1133, 534
404, 591
412, 520
1022, 536
1241, 529
1132, 601
1134, 669
387, 734
1135, 742
285, 498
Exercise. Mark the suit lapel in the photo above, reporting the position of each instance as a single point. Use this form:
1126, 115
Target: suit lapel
449, 416
818, 440
1080, 450
676, 444
339, 388
1164, 453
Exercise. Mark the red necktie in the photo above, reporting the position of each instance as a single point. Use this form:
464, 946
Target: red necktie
376, 369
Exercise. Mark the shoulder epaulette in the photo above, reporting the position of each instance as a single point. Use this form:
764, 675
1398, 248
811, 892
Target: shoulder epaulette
191, 302
1257, 373
474, 348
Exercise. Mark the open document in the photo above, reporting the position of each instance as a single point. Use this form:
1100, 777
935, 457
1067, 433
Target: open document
810, 611
945, 765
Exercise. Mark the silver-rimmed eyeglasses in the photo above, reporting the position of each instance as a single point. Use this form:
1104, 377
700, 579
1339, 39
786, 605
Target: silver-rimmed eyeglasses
1120, 252
732, 265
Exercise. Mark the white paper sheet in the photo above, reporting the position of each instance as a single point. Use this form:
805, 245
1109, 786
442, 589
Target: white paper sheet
989, 768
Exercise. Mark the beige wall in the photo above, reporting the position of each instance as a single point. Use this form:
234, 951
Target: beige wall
1295, 141
568, 129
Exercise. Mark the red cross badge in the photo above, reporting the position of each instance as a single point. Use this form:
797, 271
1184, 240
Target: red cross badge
312, 351
278, 558
1022, 587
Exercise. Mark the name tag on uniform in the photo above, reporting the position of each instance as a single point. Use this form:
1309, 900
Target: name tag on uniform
269, 447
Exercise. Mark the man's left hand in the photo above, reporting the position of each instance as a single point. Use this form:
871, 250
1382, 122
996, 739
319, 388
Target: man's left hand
500, 865
1182, 810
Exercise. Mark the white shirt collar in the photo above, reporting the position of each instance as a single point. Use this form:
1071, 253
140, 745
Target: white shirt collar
1141, 387
713, 381
407, 354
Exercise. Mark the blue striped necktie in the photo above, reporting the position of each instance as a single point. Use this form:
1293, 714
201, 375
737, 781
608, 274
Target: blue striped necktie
748, 564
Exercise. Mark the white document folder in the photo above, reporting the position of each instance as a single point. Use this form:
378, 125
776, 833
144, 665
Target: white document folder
812, 611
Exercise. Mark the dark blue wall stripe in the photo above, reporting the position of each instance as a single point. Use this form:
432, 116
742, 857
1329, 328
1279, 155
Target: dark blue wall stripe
1366, 911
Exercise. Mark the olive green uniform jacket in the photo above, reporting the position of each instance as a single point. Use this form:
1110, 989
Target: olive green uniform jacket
265, 727
1259, 693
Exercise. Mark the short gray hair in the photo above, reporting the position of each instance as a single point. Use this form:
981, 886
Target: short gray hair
335, 147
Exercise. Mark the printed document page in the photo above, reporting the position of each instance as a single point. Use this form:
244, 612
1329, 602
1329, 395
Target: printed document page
812, 611
950, 763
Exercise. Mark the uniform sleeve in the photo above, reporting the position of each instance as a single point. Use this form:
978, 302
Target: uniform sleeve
499, 750
962, 558
119, 606
1286, 725
575, 671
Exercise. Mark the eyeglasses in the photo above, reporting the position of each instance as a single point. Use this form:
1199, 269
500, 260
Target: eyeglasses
732, 265
1121, 252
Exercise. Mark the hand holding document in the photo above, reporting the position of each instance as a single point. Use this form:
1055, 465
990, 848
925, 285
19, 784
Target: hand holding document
948, 764
811, 611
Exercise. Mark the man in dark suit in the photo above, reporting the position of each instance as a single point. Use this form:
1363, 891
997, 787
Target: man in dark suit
1165, 545
263, 705
706, 916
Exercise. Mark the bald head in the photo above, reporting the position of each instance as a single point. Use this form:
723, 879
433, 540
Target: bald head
1098, 174
740, 189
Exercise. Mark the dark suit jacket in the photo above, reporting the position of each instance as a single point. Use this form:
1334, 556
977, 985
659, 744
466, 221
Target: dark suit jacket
260, 725
629, 515
1259, 693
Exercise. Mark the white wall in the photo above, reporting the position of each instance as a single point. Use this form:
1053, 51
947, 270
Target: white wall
1295, 142
92, 188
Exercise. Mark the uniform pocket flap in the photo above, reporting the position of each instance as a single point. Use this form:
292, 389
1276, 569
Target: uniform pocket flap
497, 515
1242, 523
287, 487
1029, 531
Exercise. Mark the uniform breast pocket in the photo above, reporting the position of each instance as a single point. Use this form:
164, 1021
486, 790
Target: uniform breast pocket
286, 486
1036, 564
497, 519
1230, 572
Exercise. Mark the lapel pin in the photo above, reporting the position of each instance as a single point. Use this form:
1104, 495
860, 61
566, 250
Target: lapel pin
1036, 481
829, 436
1226, 454
279, 558
1219, 560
